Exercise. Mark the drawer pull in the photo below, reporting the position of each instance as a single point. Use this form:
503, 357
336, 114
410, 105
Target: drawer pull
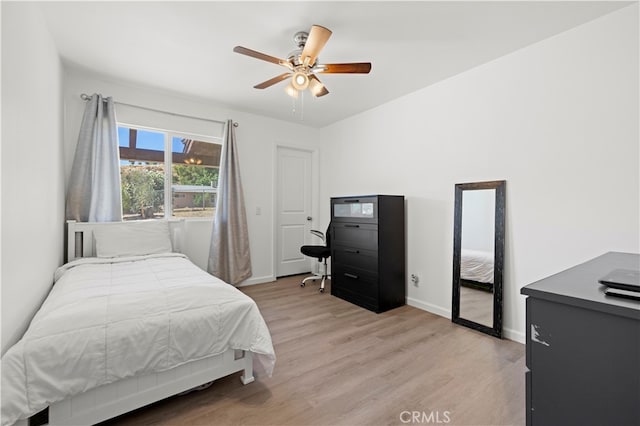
348, 275
351, 226
351, 201
352, 251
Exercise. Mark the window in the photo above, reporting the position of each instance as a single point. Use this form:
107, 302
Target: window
165, 174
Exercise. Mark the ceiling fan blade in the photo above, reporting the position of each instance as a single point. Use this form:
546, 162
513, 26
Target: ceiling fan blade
318, 37
316, 87
262, 56
350, 68
272, 81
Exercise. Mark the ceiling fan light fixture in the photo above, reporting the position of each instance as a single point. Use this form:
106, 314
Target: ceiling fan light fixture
300, 80
291, 91
315, 87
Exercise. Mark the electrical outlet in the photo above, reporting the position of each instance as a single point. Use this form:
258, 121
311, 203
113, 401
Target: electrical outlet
258, 211
414, 279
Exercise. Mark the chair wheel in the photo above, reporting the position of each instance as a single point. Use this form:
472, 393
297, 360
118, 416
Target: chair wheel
322, 290
301, 284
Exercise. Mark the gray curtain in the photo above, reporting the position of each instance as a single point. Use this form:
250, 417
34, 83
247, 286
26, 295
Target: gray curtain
94, 193
229, 257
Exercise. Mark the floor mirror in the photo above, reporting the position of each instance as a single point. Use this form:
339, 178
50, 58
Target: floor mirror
478, 255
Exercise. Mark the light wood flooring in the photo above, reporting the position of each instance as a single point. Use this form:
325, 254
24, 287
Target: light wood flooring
476, 305
338, 364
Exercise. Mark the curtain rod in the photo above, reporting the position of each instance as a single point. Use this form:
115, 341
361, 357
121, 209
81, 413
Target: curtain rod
86, 97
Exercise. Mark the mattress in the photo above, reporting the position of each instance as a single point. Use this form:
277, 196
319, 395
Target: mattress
109, 319
476, 265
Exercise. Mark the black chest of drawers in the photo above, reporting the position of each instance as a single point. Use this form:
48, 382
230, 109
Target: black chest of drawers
368, 251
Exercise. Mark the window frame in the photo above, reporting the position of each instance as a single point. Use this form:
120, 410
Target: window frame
168, 160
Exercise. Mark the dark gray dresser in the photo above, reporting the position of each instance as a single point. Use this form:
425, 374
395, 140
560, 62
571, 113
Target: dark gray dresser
368, 251
583, 348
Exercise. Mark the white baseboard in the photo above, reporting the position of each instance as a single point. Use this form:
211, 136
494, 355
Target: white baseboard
434, 309
257, 280
507, 333
516, 336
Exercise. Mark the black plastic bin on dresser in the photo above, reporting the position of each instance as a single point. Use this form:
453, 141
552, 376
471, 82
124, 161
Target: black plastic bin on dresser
368, 251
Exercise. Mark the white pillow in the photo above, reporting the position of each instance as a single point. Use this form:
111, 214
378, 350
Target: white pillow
133, 239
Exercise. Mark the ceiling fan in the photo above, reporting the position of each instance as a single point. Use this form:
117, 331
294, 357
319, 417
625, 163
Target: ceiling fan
302, 63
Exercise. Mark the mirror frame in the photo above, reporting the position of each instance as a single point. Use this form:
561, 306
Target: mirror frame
498, 261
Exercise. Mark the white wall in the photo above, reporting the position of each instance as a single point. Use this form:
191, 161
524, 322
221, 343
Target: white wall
32, 166
557, 120
256, 138
478, 219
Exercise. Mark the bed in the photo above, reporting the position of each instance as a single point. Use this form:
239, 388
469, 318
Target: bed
476, 269
129, 321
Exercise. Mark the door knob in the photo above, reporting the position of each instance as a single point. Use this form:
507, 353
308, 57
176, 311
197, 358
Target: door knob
309, 218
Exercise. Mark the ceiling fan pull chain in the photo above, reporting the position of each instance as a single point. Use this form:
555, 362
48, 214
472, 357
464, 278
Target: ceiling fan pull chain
293, 105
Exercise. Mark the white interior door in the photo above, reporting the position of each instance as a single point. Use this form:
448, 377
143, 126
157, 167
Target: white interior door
293, 210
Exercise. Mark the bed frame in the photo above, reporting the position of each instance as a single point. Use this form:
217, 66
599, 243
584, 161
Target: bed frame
477, 285
108, 401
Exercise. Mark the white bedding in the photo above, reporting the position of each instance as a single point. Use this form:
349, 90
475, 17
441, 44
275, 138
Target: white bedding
108, 319
477, 266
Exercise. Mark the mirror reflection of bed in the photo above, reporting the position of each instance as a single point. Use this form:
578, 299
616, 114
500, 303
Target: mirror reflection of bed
476, 260
476, 286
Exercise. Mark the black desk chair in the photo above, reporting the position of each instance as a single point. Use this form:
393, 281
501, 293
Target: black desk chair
322, 253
